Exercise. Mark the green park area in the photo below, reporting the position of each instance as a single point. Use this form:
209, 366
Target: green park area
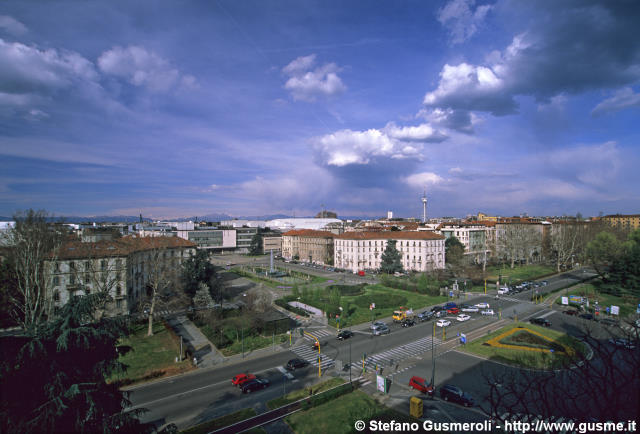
528, 345
519, 272
339, 415
593, 292
150, 356
280, 277
356, 301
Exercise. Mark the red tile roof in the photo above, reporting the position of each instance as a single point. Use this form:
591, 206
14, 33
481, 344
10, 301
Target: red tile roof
309, 233
391, 235
119, 247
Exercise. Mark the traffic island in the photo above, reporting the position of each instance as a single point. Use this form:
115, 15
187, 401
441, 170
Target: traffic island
529, 346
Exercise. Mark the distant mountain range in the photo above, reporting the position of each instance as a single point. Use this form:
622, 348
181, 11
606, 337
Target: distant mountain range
208, 217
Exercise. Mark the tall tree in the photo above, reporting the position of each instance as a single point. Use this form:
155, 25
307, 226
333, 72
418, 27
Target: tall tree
199, 269
256, 244
602, 252
53, 378
31, 241
453, 251
566, 239
625, 270
390, 260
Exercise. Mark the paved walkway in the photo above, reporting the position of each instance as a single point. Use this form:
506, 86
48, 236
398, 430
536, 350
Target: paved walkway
196, 342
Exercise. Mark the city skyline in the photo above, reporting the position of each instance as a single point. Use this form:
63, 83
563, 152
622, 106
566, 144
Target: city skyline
256, 108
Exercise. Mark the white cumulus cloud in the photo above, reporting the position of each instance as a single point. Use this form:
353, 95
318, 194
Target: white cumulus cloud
419, 133
423, 179
307, 83
141, 67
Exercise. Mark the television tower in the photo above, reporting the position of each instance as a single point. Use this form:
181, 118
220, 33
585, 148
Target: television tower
424, 206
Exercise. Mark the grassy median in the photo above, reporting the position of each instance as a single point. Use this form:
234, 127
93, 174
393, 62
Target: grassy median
221, 422
297, 395
528, 346
339, 415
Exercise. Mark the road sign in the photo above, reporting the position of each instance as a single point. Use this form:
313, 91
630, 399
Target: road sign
565, 300
450, 293
615, 310
463, 338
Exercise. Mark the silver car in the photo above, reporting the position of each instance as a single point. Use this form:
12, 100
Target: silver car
381, 330
377, 324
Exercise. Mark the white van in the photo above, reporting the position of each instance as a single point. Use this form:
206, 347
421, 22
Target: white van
502, 291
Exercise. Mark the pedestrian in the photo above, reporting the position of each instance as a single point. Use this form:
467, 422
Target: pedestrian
195, 361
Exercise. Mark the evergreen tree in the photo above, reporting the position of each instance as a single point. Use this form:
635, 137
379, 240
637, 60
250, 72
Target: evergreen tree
453, 251
256, 244
198, 269
391, 260
53, 379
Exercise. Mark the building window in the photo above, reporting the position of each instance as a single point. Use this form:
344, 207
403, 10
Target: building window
87, 279
119, 263
87, 265
72, 265
56, 296
56, 281
103, 264
72, 279
118, 290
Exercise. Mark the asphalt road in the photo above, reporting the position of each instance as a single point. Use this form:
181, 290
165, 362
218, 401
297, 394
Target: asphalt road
205, 394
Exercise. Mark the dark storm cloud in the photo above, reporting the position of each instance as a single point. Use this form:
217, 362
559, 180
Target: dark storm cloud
569, 47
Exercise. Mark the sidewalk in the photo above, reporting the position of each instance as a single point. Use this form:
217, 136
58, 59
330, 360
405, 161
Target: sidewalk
195, 342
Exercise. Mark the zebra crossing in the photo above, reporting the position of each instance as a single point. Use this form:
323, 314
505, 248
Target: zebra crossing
394, 355
309, 354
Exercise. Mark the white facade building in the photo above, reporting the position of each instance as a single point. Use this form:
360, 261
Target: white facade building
420, 251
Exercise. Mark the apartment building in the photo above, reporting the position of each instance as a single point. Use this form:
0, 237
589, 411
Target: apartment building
628, 221
477, 238
121, 267
308, 245
420, 251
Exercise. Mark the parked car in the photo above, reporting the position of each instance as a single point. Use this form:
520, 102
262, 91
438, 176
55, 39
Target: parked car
483, 305
408, 323
544, 283
437, 308
381, 330
253, 385
452, 393
421, 385
540, 321
503, 291
473, 309
344, 334
443, 323
426, 315
463, 317
453, 311
624, 343
587, 316
377, 324
571, 312
449, 305
240, 379
487, 312
294, 364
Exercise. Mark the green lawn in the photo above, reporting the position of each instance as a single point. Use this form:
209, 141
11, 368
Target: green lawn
355, 314
627, 304
339, 415
252, 343
530, 359
519, 272
304, 393
152, 356
221, 422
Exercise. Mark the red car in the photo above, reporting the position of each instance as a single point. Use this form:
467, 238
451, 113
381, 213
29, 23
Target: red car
421, 385
240, 379
453, 311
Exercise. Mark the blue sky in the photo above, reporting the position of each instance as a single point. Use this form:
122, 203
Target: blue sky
174, 109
